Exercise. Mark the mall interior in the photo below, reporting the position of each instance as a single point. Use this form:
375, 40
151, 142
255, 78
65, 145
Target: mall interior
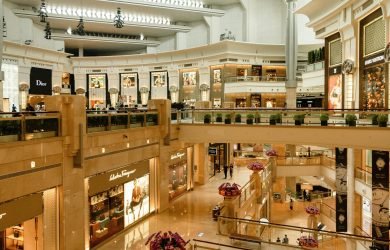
190, 124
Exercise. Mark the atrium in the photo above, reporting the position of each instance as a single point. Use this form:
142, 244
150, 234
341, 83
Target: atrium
194, 124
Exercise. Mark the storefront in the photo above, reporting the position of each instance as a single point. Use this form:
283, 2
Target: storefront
10, 85
373, 89
218, 153
40, 86
179, 172
334, 82
117, 199
29, 222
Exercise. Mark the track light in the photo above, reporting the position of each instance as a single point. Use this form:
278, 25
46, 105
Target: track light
42, 13
47, 31
118, 19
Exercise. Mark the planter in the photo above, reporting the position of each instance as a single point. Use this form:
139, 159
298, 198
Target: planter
298, 123
257, 120
218, 119
324, 123
352, 123
228, 121
206, 120
249, 121
272, 122
237, 120
382, 124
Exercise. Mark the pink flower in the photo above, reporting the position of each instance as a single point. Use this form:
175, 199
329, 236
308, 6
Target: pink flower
256, 166
312, 210
271, 152
227, 189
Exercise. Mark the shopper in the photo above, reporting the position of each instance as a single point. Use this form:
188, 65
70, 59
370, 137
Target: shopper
285, 239
231, 170
225, 170
291, 204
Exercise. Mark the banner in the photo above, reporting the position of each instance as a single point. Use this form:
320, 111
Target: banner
341, 190
40, 81
380, 197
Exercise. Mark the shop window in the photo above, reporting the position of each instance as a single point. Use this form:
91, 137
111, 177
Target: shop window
177, 179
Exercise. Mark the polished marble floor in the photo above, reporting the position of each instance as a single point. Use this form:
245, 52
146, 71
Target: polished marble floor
191, 216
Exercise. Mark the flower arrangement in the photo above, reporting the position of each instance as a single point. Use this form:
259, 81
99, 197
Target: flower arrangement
271, 152
166, 241
256, 166
312, 210
307, 241
227, 189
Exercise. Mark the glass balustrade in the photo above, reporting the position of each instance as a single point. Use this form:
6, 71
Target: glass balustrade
28, 126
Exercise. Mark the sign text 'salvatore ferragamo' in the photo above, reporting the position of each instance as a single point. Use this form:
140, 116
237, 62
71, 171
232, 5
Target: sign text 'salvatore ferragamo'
122, 174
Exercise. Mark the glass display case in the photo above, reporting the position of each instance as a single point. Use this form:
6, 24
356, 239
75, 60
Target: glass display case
177, 179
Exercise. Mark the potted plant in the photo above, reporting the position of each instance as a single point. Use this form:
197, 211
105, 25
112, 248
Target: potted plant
382, 120
324, 119
374, 119
207, 118
237, 118
228, 119
350, 119
299, 119
257, 118
249, 119
219, 117
272, 119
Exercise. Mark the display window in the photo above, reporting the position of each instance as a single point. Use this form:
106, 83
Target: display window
159, 85
136, 199
374, 88
26, 235
177, 179
128, 88
120, 206
335, 90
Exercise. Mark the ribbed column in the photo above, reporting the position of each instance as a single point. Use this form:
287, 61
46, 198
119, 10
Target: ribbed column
291, 55
351, 196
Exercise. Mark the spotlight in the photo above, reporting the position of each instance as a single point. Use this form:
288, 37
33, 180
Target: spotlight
118, 20
42, 13
47, 31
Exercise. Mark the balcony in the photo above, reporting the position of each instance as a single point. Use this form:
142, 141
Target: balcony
28, 126
98, 121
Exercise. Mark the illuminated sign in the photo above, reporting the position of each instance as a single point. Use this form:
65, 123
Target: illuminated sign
123, 174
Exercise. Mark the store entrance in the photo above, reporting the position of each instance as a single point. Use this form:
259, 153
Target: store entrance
26, 235
218, 160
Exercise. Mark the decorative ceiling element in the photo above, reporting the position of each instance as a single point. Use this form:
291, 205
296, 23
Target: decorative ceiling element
4, 28
80, 28
47, 31
42, 13
118, 20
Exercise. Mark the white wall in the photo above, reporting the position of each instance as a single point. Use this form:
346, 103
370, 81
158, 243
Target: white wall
306, 35
167, 43
198, 34
233, 20
21, 29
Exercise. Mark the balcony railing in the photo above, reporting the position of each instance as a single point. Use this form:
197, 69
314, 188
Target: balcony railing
98, 121
299, 161
28, 126
275, 116
364, 176
255, 79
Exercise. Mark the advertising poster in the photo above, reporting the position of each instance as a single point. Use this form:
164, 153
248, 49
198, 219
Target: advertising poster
136, 199
380, 197
374, 88
189, 78
97, 81
129, 80
341, 190
335, 90
217, 76
129, 83
159, 85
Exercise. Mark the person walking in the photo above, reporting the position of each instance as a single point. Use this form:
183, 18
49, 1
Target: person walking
291, 204
231, 170
225, 170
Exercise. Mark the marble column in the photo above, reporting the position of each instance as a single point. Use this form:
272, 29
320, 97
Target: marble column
291, 55
351, 196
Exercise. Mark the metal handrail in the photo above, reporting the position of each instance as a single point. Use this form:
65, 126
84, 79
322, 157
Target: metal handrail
232, 79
